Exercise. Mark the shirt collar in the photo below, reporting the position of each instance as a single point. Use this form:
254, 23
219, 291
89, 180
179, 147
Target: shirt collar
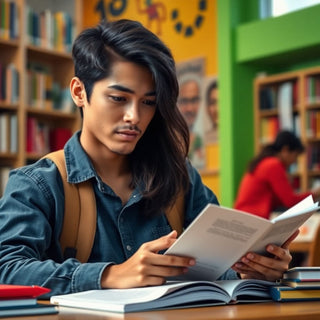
79, 166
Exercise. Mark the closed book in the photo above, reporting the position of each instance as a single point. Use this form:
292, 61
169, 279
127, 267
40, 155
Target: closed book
21, 300
302, 284
37, 309
286, 293
9, 291
303, 273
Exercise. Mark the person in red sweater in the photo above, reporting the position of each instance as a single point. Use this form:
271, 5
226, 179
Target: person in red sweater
266, 186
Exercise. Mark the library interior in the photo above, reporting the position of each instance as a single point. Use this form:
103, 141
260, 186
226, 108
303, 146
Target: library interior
247, 70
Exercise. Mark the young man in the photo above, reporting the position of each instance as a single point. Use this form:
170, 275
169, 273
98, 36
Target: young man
132, 147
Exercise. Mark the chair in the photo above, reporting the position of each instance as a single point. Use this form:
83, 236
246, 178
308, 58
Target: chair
314, 253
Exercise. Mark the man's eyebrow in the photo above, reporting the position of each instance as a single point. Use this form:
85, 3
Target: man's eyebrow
125, 89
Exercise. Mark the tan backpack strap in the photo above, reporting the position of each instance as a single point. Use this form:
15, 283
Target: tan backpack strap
79, 223
88, 221
175, 214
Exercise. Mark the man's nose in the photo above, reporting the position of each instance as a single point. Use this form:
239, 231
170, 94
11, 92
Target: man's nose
132, 113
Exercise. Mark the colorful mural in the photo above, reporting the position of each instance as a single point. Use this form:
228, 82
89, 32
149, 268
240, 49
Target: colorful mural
189, 28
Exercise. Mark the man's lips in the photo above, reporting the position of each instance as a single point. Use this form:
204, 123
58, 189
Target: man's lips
129, 132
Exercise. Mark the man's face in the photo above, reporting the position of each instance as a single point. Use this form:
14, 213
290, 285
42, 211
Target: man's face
189, 101
120, 110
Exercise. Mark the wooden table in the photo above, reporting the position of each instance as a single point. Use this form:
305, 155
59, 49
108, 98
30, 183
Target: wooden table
258, 311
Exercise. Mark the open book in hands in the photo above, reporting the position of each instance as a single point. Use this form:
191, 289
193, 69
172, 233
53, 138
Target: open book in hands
220, 236
168, 296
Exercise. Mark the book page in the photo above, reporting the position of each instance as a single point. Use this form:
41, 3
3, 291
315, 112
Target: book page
305, 205
284, 226
169, 295
217, 238
220, 236
249, 290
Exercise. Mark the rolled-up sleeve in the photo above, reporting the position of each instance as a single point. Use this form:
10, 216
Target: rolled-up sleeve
31, 218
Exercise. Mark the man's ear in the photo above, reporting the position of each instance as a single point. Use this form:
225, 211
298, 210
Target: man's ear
78, 92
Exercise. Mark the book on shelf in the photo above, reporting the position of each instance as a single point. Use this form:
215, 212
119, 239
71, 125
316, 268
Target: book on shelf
9, 19
20, 300
4, 176
2, 82
8, 133
9, 83
13, 133
52, 30
285, 105
37, 139
269, 128
268, 98
40, 84
59, 137
220, 236
172, 295
4, 132
313, 88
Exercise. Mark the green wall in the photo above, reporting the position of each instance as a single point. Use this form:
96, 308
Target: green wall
246, 46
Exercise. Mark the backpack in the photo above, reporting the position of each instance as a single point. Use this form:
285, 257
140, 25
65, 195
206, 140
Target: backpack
80, 214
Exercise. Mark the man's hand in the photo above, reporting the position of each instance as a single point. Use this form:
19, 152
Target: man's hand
147, 267
256, 266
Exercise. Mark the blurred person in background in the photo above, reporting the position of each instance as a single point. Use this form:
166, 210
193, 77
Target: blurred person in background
265, 186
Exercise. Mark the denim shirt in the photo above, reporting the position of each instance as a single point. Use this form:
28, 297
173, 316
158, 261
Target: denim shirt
31, 218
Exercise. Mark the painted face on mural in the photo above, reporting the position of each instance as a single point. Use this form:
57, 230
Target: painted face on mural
189, 101
212, 106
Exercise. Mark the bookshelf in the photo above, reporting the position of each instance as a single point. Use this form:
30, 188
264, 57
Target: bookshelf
291, 100
35, 69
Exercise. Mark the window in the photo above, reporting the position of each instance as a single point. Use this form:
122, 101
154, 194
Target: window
275, 8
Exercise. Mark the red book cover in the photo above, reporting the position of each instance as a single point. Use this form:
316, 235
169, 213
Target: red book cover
31, 125
9, 291
58, 138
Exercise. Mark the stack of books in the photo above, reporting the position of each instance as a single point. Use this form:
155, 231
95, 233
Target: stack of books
300, 283
16, 300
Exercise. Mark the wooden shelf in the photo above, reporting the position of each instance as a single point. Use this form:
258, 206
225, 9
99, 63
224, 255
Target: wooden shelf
301, 108
56, 62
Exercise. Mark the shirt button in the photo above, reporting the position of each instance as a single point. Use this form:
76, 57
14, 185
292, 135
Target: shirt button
129, 248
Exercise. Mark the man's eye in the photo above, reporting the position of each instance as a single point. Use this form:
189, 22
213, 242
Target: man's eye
150, 102
117, 98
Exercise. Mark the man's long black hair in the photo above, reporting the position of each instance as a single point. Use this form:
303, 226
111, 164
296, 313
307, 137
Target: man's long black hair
158, 162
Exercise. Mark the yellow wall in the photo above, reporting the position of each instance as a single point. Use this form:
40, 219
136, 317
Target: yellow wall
201, 43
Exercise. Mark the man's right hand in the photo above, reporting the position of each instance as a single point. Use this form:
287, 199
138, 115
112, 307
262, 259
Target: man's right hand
147, 267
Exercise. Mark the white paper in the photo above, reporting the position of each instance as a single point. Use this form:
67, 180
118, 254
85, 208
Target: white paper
220, 236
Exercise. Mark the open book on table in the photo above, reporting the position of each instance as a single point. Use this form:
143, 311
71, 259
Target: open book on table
168, 296
220, 236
